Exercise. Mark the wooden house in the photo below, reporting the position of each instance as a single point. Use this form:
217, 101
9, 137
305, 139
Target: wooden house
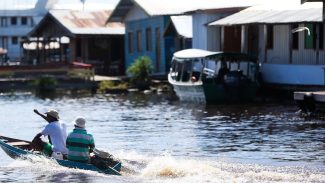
179, 33
147, 31
288, 39
211, 37
82, 36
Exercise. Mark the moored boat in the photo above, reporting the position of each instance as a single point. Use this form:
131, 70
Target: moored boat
16, 148
214, 77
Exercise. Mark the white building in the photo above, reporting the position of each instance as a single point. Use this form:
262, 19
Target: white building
211, 37
16, 20
288, 40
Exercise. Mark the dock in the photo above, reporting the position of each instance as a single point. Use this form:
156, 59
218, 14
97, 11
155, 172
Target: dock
310, 102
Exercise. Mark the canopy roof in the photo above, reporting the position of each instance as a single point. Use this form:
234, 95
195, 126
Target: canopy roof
194, 54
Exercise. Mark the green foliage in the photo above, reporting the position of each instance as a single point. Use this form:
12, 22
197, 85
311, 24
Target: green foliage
140, 69
45, 83
111, 85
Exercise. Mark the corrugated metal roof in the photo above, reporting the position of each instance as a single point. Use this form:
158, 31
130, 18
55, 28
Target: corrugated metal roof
170, 7
17, 5
25, 7
87, 22
267, 14
183, 25
176, 7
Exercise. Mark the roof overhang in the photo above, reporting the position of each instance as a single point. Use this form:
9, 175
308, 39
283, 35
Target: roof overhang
303, 1
183, 25
37, 30
271, 16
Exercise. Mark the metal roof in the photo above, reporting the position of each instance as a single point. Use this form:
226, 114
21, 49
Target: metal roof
266, 14
25, 7
183, 25
175, 7
87, 22
15, 5
303, 1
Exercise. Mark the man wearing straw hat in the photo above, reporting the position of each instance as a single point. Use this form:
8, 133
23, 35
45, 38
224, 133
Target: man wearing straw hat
56, 130
80, 143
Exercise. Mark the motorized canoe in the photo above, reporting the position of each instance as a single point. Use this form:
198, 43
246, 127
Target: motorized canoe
16, 148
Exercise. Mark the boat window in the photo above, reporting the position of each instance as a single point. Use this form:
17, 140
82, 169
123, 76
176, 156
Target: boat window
197, 70
176, 71
186, 72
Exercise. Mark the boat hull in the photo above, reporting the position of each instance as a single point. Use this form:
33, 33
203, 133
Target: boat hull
210, 92
190, 93
16, 152
222, 93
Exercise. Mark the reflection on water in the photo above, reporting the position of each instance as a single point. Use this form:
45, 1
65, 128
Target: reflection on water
161, 140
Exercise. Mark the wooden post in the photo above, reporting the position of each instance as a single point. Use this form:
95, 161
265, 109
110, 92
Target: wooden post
290, 44
265, 42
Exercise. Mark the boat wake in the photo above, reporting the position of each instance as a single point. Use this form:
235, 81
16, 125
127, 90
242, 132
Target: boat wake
166, 168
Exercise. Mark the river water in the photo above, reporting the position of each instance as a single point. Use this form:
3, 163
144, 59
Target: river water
159, 140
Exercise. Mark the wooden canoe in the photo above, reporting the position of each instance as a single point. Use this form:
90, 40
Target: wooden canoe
16, 148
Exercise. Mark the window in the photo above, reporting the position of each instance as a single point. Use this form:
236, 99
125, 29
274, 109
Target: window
295, 38
23, 20
4, 22
148, 39
14, 40
310, 36
13, 20
157, 49
130, 43
270, 35
139, 43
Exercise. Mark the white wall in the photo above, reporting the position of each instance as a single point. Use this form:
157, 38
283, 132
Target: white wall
293, 74
280, 53
206, 37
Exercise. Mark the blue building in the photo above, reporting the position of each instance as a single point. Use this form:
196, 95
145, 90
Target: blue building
150, 31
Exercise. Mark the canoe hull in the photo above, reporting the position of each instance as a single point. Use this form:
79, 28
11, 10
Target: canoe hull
19, 152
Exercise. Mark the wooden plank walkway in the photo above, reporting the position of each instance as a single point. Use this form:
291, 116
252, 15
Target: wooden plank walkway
318, 96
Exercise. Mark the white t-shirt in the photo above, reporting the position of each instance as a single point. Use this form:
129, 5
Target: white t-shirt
58, 133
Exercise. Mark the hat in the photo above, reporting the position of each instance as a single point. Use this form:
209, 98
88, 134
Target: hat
80, 122
53, 113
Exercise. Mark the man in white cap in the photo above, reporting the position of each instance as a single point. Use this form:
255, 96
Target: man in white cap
56, 130
80, 143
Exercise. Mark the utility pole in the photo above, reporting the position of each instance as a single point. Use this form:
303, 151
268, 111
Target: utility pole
83, 4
